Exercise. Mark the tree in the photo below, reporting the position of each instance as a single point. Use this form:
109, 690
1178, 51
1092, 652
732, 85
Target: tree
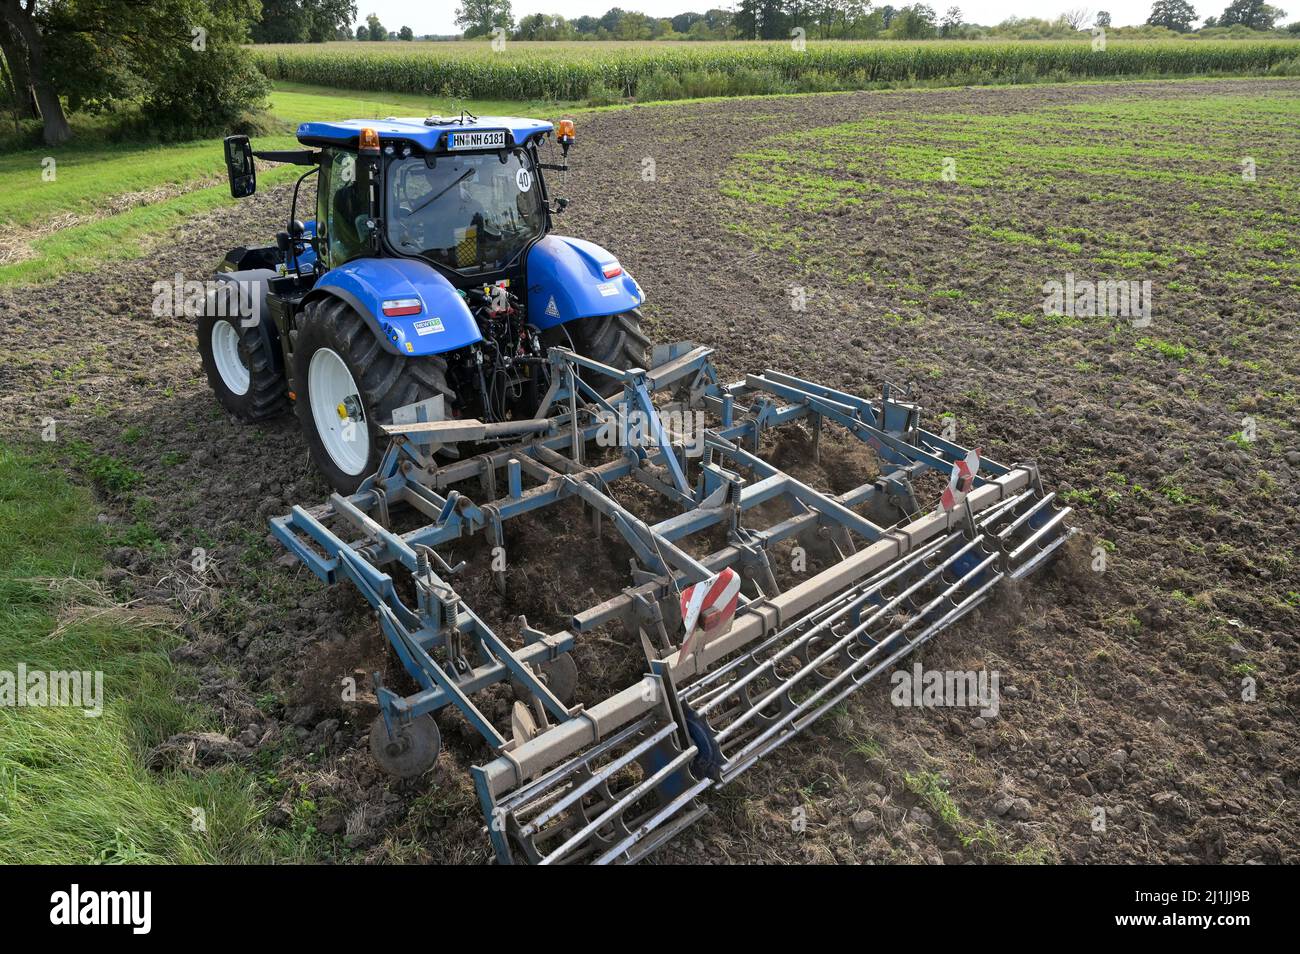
1077, 18
283, 21
194, 88
951, 22
683, 22
180, 62
406, 33
772, 19
1255, 14
611, 20
362, 32
375, 29
1176, 15
915, 22
748, 19
328, 19
543, 26
303, 21
633, 26
16, 78
1103, 19
481, 17
24, 39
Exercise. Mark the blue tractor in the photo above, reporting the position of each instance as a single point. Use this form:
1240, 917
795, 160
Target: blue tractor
428, 287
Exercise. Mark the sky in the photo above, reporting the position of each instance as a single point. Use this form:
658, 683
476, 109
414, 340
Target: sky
439, 16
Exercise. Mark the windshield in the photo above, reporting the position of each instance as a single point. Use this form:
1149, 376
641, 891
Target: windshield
473, 212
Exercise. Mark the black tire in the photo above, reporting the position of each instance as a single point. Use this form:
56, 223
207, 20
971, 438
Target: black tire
385, 381
266, 395
615, 340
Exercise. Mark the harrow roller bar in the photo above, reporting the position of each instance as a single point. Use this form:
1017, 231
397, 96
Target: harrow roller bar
752, 753
856, 632
597, 779
621, 850
624, 802
849, 602
711, 686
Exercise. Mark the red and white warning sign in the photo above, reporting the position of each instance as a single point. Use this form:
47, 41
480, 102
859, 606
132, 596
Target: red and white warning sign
961, 481
709, 607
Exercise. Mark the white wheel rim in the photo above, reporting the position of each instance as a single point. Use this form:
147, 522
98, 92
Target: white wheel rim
225, 355
336, 410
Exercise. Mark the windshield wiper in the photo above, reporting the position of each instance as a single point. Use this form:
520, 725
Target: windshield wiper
434, 198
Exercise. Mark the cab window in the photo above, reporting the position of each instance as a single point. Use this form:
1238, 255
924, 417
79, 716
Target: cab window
343, 209
473, 212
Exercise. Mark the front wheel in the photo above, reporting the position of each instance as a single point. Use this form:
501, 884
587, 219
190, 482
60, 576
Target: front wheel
349, 387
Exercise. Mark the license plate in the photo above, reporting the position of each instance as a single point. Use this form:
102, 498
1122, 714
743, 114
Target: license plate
477, 139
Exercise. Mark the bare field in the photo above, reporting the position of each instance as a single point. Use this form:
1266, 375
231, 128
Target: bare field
1162, 691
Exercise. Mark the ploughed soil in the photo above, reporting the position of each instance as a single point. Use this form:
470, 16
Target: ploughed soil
1148, 680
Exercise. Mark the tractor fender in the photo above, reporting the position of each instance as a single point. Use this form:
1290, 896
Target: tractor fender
443, 323
566, 281
254, 282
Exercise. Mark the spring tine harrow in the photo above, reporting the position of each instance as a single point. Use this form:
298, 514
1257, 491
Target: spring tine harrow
611, 782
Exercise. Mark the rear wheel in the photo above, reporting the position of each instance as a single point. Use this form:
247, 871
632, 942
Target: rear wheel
615, 340
239, 367
349, 386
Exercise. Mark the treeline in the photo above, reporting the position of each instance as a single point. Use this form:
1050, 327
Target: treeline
314, 21
850, 20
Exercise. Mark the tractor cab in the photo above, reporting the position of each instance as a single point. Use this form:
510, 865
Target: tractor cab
466, 195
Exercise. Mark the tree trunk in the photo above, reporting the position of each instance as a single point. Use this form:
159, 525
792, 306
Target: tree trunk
9, 84
15, 55
57, 129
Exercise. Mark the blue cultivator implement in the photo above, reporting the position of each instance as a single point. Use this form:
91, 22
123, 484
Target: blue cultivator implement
723, 687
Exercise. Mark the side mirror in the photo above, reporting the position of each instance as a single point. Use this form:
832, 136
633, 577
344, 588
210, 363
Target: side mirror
239, 166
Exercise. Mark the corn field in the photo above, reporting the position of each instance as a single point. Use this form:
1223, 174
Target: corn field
579, 70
